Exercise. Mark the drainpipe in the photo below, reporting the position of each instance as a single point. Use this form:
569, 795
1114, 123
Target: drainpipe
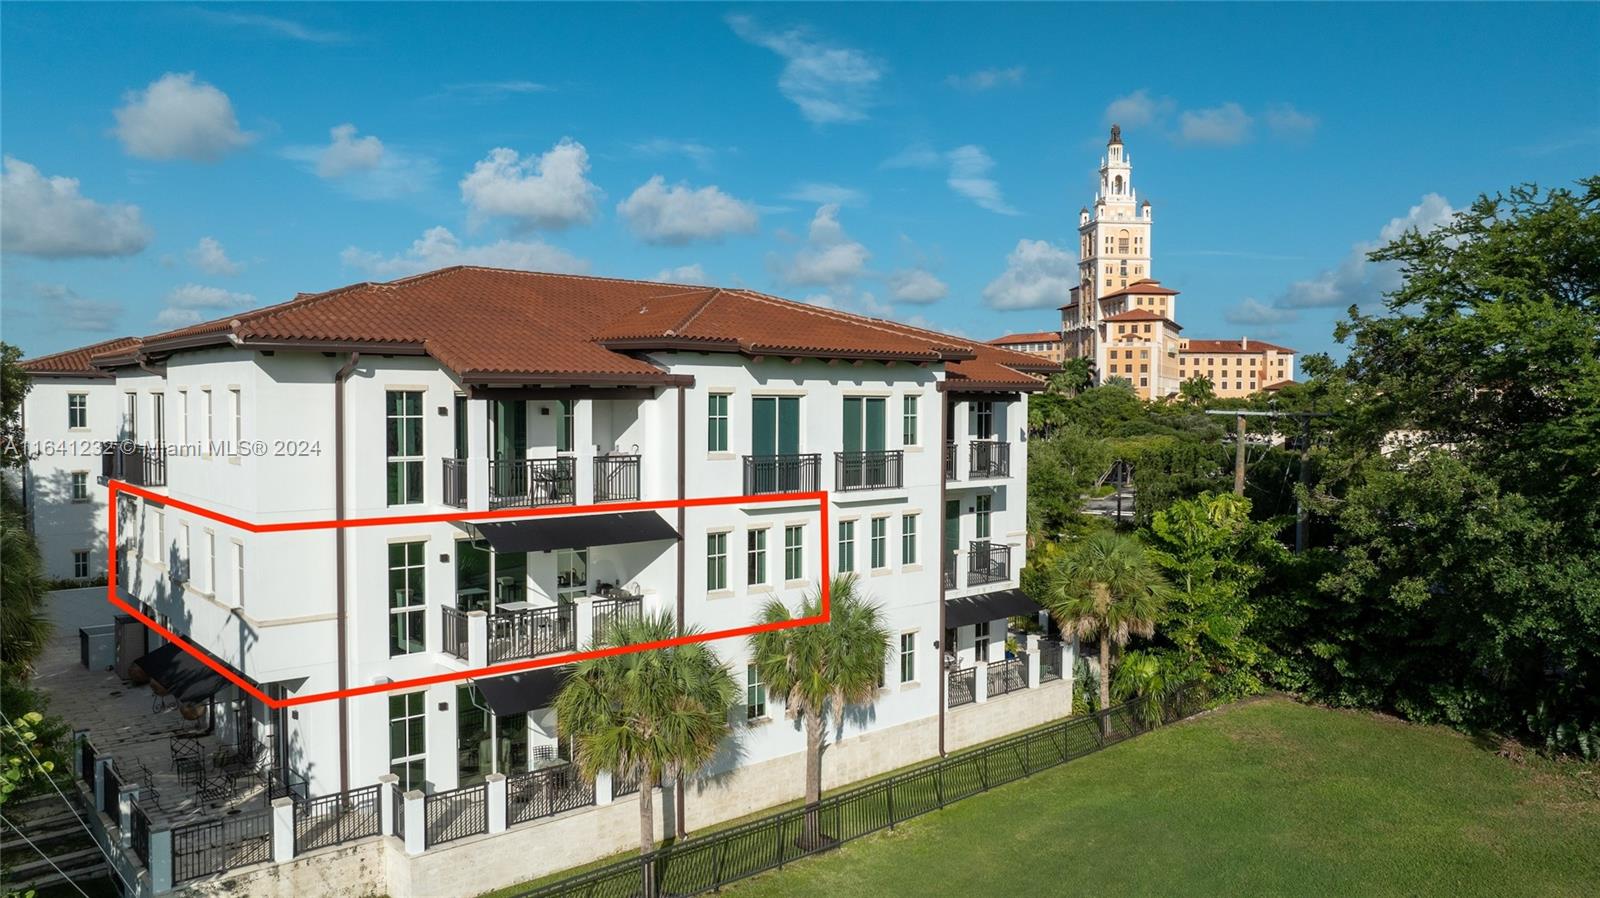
682, 487
338, 567
944, 559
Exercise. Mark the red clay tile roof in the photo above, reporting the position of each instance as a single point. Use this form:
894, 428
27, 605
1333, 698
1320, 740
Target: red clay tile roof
77, 362
1143, 288
1256, 346
1035, 337
1141, 315
1280, 385
491, 324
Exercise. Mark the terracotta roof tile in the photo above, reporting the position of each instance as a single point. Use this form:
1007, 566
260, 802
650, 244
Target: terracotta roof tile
1256, 346
1143, 288
1139, 315
78, 362
1035, 337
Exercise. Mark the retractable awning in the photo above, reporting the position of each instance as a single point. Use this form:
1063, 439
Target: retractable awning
526, 690
181, 674
989, 606
576, 531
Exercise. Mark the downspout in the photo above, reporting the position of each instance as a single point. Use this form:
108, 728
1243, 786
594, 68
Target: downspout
338, 568
679, 830
944, 558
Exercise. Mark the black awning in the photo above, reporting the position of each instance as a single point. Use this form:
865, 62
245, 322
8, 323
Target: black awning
180, 673
987, 607
527, 690
578, 531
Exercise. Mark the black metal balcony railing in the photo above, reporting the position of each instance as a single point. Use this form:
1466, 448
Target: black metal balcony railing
138, 465
988, 562
950, 572
990, 458
781, 473
1008, 676
532, 482
616, 478
531, 632
950, 461
455, 482
868, 470
455, 631
963, 686
617, 608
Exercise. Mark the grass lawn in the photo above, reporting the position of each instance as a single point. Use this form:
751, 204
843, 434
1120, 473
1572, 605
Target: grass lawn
1266, 798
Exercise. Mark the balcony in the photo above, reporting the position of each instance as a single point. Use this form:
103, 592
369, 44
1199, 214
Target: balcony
617, 607
781, 473
989, 458
988, 562
616, 478
868, 470
950, 462
455, 482
532, 482
510, 633
138, 465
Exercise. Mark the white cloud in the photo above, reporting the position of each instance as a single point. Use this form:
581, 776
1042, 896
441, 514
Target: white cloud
48, 218
918, 155
1138, 109
177, 117
1253, 311
193, 303
822, 192
348, 153
438, 248
683, 274
1286, 121
365, 167
69, 311
490, 91
830, 257
550, 191
1356, 280
987, 79
1223, 125
701, 154
209, 256
828, 83
914, 285
846, 298
969, 176
273, 25
1038, 275
678, 214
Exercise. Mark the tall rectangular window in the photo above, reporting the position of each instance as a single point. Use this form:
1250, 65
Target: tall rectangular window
908, 657
236, 412
159, 527
847, 546
130, 416
908, 539
755, 694
408, 743
158, 418
80, 486
404, 446
717, 422
407, 598
794, 552
209, 540
77, 410
80, 565
716, 561
879, 543
572, 575
756, 557
238, 574
207, 434
565, 425
183, 416
985, 506
983, 420
908, 421
185, 553
980, 641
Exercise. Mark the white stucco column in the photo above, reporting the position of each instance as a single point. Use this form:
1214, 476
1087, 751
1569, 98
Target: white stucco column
416, 823
100, 764
125, 799
388, 785
603, 788
477, 411
980, 681
78, 738
584, 449
282, 830
496, 796
477, 639
160, 863
958, 436
1033, 660
583, 608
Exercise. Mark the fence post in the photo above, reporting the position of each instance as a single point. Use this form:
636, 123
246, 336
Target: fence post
387, 784
125, 799
889, 791
938, 781
283, 830
78, 738
1033, 660
416, 823
980, 681
1069, 669
495, 796
160, 861
101, 763
477, 639
604, 788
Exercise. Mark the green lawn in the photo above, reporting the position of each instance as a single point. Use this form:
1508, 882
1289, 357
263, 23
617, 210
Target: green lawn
1267, 798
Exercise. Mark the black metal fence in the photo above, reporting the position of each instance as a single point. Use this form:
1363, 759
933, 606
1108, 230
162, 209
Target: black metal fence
521, 482
625, 784
604, 613
616, 478
782, 473
988, 562
1008, 676
709, 863
212, 846
138, 465
87, 753
950, 461
545, 792
963, 688
454, 626
455, 482
139, 835
399, 812
338, 818
531, 632
1049, 660
456, 814
108, 796
989, 458
868, 470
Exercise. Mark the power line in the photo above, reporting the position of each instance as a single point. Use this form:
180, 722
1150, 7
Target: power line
47, 858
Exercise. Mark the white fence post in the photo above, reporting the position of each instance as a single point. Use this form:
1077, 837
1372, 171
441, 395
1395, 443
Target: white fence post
101, 763
583, 627
477, 639
1033, 660
125, 799
980, 681
160, 863
495, 795
282, 830
78, 738
1069, 667
416, 823
603, 788
388, 784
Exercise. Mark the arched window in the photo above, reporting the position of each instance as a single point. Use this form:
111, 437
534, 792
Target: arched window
1116, 185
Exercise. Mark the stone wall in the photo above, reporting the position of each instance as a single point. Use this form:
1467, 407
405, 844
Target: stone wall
980, 722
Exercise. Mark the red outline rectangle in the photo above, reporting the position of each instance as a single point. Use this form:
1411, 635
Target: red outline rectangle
117, 486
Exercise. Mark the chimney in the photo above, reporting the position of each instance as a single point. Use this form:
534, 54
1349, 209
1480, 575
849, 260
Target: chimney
1244, 343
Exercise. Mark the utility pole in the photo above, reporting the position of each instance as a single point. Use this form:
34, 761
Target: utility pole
1238, 458
1302, 524
1302, 520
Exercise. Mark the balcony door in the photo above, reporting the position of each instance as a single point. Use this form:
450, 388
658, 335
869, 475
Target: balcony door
774, 432
508, 445
952, 536
864, 440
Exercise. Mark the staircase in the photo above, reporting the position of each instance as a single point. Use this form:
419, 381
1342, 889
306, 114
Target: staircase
51, 826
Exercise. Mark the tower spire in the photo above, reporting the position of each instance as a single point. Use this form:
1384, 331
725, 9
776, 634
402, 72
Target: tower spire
1116, 134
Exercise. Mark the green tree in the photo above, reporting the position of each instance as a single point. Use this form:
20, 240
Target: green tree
655, 714
24, 627
14, 386
1062, 468
1106, 587
820, 669
1197, 390
1077, 375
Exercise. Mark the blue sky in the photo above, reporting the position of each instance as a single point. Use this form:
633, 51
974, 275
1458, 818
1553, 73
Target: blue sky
166, 163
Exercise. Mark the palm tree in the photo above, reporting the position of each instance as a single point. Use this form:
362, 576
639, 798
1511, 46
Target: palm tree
1107, 587
24, 626
822, 668
653, 714
1197, 390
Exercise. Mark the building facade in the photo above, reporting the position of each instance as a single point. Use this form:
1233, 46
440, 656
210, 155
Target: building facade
1044, 344
481, 389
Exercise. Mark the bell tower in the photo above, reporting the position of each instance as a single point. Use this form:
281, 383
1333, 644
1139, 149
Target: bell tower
1114, 242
